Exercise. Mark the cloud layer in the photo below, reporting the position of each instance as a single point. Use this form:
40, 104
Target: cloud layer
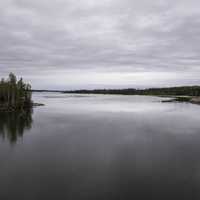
107, 43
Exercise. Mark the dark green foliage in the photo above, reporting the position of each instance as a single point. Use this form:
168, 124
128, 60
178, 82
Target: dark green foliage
14, 94
183, 99
179, 99
173, 91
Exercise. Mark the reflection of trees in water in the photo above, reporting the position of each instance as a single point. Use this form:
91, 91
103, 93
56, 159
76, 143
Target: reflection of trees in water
13, 124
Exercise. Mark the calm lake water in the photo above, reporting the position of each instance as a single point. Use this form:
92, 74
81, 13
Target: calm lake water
96, 147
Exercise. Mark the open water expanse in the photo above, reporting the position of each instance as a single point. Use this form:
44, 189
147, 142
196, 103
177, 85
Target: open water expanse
100, 147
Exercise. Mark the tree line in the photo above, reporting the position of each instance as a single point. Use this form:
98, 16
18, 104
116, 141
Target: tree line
175, 91
15, 93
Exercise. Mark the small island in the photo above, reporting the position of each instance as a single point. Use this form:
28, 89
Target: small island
15, 95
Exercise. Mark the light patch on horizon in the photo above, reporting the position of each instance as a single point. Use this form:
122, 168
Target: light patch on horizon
91, 80
108, 43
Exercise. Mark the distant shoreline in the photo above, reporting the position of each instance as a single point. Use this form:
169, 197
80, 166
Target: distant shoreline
165, 91
190, 94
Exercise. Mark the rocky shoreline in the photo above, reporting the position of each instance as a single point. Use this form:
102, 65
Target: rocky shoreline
187, 99
195, 100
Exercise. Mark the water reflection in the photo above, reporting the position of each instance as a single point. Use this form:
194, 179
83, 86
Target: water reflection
13, 124
82, 150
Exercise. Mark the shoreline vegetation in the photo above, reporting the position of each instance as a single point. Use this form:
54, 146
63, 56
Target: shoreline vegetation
15, 95
168, 91
186, 99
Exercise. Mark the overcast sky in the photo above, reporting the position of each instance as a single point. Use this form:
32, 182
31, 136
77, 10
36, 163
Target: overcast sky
70, 44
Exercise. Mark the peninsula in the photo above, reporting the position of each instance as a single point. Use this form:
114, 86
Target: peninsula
15, 94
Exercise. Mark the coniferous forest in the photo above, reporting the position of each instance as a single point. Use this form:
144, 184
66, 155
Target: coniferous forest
171, 91
14, 94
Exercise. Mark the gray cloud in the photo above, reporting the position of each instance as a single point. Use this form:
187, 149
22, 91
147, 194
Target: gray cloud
50, 40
